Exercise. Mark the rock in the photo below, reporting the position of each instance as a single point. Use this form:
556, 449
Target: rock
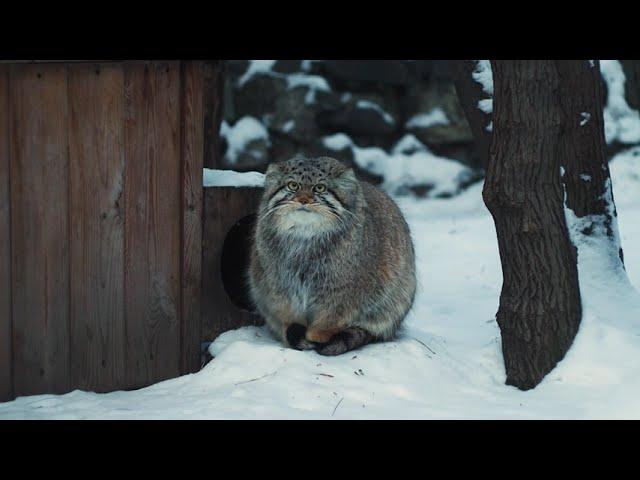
429, 102
287, 66
228, 103
247, 144
282, 148
465, 153
392, 72
359, 115
258, 95
293, 117
235, 68
423, 69
255, 156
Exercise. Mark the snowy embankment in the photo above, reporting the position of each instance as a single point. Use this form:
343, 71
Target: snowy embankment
445, 364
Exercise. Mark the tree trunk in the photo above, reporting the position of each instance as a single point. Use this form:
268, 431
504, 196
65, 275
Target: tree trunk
631, 70
470, 92
540, 308
587, 180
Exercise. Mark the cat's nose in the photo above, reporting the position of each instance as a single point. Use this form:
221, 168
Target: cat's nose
304, 199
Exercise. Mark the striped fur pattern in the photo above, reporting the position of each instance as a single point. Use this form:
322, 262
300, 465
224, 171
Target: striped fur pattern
332, 264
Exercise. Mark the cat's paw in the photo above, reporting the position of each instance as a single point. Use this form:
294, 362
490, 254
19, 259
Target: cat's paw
295, 337
305, 344
336, 346
295, 332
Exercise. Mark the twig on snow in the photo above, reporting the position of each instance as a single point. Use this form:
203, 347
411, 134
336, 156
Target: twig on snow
336, 407
259, 378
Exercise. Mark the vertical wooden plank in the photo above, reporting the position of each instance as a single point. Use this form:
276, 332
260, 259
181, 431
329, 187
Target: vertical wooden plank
214, 73
192, 163
96, 159
223, 207
6, 381
152, 221
39, 228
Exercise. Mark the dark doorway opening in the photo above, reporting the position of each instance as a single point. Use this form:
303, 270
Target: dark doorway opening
234, 263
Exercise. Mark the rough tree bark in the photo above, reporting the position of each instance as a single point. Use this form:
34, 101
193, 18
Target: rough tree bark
470, 92
589, 192
540, 308
631, 70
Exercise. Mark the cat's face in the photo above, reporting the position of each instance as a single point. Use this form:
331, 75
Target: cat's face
307, 197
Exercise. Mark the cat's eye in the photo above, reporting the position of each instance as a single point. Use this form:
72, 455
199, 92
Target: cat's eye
319, 188
293, 186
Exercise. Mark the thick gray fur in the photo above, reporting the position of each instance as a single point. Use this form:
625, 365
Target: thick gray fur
339, 262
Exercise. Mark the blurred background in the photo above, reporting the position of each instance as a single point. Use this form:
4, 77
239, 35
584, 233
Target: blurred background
397, 122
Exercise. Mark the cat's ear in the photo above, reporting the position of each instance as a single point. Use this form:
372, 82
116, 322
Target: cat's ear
274, 172
349, 175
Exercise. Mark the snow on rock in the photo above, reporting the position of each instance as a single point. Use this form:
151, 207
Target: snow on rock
314, 83
241, 135
621, 122
337, 141
231, 178
426, 120
410, 164
256, 66
408, 144
366, 104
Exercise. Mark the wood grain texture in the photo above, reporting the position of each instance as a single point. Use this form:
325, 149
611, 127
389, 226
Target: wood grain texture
152, 228
39, 228
192, 162
6, 380
214, 73
223, 207
96, 156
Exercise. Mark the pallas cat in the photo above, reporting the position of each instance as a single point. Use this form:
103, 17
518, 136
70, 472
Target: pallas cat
332, 262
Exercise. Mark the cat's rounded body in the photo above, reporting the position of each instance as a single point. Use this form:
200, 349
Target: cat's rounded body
332, 264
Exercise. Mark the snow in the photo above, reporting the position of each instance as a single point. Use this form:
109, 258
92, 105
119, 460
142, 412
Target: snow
410, 164
313, 82
621, 122
256, 66
431, 118
366, 104
240, 135
484, 76
446, 363
288, 126
408, 144
337, 141
231, 178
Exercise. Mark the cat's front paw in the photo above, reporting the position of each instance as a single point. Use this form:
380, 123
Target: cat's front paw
296, 337
336, 346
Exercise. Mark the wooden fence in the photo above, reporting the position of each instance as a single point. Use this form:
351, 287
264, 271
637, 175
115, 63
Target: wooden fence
101, 223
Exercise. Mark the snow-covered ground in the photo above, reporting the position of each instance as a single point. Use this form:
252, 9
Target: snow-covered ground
445, 364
